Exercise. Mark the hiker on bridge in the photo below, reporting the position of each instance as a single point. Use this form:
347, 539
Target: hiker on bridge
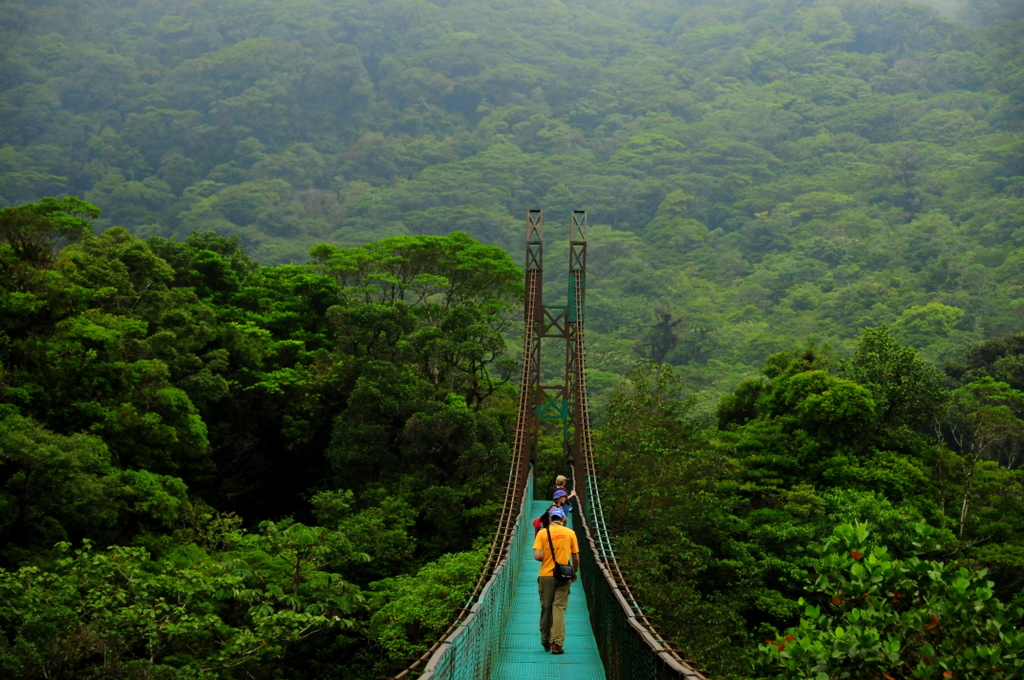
560, 481
554, 548
561, 500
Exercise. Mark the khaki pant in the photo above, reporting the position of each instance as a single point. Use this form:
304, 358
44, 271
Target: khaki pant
554, 600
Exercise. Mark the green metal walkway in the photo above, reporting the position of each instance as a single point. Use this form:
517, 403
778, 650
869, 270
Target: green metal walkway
521, 656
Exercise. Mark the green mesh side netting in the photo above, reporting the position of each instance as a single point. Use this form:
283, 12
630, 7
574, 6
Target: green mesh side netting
472, 649
629, 649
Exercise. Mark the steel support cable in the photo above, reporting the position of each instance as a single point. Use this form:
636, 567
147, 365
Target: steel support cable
662, 661
512, 509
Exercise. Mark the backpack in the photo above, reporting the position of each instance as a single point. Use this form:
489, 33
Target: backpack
540, 523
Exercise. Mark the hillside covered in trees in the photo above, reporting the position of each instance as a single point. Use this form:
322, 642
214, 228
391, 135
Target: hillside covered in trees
755, 172
254, 380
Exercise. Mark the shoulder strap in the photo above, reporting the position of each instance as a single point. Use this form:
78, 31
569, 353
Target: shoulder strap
551, 543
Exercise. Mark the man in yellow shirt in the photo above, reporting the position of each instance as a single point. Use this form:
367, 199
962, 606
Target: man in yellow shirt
554, 593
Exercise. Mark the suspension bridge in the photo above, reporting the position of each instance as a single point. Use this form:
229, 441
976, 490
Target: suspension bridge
496, 636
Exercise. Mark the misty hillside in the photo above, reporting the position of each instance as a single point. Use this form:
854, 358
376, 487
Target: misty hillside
754, 172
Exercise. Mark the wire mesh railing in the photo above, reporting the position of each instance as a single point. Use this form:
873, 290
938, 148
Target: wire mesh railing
454, 655
630, 647
471, 650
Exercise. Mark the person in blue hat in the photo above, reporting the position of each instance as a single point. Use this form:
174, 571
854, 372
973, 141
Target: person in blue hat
562, 498
556, 544
560, 482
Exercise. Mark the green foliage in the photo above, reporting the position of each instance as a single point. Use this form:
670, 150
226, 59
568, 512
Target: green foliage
412, 611
382, 532
649, 443
36, 231
661, 488
717, 555
59, 488
873, 615
123, 362
53, 484
982, 421
999, 358
122, 614
459, 293
906, 389
805, 426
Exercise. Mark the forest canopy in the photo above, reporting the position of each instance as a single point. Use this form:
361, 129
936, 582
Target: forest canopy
214, 469
258, 281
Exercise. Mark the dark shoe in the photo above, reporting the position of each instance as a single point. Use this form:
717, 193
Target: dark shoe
546, 646
557, 648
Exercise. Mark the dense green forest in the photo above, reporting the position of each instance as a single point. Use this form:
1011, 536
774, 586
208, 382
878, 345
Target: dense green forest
216, 469
213, 469
254, 382
755, 171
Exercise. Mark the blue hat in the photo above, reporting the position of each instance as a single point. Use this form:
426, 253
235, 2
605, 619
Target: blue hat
556, 512
560, 493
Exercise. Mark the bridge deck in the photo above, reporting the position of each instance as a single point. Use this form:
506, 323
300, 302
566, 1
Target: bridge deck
521, 655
